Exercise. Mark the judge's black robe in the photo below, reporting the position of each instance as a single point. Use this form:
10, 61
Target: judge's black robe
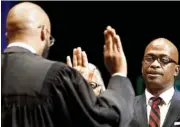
40, 93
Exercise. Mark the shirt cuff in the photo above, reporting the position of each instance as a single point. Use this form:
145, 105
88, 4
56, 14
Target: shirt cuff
120, 74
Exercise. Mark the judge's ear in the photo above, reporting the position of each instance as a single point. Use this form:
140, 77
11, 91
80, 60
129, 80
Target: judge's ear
6, 35
43, 33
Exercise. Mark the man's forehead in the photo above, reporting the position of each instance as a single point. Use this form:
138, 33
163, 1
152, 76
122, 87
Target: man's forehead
162, 46
158, 49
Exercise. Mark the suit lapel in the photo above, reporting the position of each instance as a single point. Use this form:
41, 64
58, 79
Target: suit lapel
174, 110
141, 111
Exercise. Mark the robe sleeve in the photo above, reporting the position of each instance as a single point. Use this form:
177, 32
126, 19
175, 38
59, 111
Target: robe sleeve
76, 103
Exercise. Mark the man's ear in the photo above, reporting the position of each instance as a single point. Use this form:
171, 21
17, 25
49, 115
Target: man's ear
177, 70
6, 35
43, 33
142, 67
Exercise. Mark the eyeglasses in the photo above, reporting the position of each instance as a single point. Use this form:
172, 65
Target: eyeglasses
52, 39
94, 85
162, 59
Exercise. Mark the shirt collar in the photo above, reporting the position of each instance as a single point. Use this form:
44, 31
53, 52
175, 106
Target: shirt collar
166, 96
23, 45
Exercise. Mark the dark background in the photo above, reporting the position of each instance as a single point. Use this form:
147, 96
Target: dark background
82, 24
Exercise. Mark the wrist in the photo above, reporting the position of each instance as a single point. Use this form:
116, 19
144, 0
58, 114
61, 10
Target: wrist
120, 74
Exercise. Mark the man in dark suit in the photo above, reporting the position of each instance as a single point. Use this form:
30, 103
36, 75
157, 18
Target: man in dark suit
37, 92
159, 105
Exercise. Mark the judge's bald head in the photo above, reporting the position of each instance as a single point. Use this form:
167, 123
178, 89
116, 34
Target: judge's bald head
29, 23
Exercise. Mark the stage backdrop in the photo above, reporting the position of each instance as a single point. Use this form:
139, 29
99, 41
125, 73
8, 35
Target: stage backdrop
5, 7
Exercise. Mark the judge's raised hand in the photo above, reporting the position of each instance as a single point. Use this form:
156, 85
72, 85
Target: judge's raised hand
114, 56
79, 62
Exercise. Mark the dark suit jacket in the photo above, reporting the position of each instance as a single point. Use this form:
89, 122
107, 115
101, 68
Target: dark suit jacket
40, 93
140, 112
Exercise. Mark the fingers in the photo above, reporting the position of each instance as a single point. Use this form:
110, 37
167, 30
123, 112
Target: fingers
111, 31
74, 58
112, 40
79, 56
108, 39
117, 44
114, 56
84, 59
68, 61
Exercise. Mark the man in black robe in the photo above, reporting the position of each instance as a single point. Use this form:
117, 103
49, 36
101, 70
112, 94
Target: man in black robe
37, 92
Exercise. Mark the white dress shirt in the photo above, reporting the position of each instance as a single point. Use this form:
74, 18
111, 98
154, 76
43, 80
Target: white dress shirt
23, 45
166, 96
121, 74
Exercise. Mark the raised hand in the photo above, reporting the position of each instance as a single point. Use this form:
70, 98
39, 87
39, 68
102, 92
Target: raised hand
80, 62
114, 57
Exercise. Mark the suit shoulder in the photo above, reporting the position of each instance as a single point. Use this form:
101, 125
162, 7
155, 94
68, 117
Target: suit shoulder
178, 92
177, 95
139, 97
42, 61
41, 64
59, 67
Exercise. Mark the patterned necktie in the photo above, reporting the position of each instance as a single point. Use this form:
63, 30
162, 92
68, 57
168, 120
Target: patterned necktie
154, 118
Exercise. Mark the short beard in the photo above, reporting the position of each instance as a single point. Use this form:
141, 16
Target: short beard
46, 50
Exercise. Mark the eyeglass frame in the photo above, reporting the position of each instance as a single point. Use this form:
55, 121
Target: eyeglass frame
52, 39
158, 58
94, 83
